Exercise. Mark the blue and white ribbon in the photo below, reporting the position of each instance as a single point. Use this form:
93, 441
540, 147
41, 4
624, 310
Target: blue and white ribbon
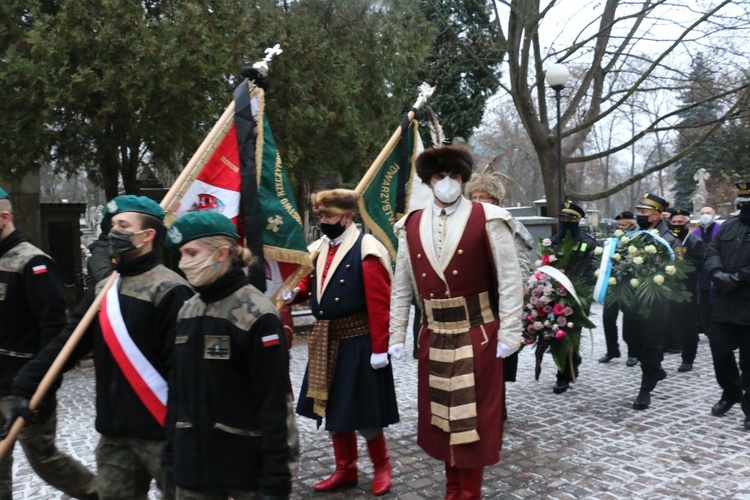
656, 237
605, 270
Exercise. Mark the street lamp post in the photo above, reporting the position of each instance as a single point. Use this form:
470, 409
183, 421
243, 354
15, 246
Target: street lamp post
557, 76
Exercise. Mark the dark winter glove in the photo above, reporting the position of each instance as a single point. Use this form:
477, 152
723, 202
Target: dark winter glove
20, 408
726, 282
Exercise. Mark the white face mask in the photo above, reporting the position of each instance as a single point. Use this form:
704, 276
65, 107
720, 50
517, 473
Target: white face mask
706, 220
447, 190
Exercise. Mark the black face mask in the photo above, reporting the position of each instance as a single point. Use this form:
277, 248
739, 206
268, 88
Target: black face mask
120, 243
678, 230
642, 221
333, 231
567, 226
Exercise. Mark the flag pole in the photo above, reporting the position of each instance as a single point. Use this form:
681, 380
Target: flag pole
67, 350
425, 91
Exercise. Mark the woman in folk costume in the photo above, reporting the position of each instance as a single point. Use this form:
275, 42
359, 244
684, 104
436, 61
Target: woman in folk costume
349, 380
461, 259
230, 413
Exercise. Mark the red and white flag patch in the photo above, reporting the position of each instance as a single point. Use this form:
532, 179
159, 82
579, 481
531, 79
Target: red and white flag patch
39, 269
270, 340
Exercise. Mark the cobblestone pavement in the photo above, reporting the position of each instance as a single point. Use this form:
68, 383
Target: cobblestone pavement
586, 443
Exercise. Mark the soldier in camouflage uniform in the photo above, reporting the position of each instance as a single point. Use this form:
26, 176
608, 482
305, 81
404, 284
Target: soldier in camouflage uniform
229, 387
142, 306
32, 312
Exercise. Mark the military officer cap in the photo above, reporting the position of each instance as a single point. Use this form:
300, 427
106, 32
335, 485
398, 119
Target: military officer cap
570, 209
132, 203
3, 194
195, 225
625, 215
680, 211
743, 192
653, 202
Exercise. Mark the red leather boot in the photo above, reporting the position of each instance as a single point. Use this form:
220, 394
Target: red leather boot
452, 482
381, 483
345, 451
471, 483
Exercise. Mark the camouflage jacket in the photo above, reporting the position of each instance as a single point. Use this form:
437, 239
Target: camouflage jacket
228, 391
32, 309
150, 297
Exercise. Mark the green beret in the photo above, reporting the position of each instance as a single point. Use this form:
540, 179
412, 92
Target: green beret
4, 194
132, 203
194, 225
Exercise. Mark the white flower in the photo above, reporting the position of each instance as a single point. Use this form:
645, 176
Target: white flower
538, 263
598, 251
670, 270
625, 240
659, 279
547, 323
619, 233
650, 249
634, 283
632, 250
638, 261
546, 242
552, 258
571, 324
655, 231
616, 256
596, 272
612, 281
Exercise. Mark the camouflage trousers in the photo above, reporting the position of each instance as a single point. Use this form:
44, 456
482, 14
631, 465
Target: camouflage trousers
56, 468
183, 494
126, 467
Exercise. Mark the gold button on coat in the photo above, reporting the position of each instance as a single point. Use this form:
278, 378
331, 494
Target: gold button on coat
455, 273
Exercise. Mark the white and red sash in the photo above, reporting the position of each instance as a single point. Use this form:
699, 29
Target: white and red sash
145, 380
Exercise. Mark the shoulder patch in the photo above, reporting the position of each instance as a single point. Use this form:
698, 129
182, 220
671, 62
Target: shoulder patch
17, 257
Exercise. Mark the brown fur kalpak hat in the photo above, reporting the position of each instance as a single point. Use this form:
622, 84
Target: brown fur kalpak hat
451, 159
334, 201
487, 182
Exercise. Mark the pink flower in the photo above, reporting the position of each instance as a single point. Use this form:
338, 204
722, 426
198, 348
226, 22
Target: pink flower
538, 275
547, 309
562, 321
545, 259
560, 334
537, 325
568, 311
562, 292
558, 309
529, 341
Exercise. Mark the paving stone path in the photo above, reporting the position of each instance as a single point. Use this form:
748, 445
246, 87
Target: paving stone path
587, 443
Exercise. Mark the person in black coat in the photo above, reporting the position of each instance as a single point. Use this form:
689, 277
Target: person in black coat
227, 429
686, 315
728, 262
625, 222
581, 266
645, 334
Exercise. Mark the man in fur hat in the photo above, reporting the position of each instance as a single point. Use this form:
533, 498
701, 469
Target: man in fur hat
487, 188
348, 379
461, 259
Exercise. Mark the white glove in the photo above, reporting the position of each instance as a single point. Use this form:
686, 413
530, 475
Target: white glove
396, 350
503, 351
290, 295
379, 360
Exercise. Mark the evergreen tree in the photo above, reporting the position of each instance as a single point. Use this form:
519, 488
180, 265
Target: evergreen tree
700, 86
464, 57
